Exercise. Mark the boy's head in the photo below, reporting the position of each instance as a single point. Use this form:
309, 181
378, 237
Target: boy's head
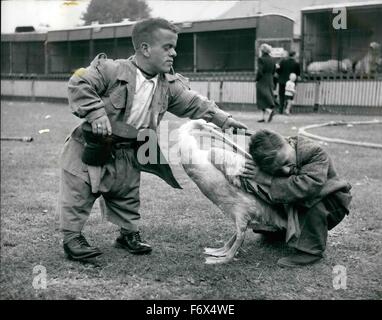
154, 42
144, 30
272, 153
292, 77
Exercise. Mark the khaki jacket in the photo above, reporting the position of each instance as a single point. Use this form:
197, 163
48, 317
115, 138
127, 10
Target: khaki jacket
107, 87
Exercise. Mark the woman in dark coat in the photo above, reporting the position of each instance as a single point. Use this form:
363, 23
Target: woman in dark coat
264, 86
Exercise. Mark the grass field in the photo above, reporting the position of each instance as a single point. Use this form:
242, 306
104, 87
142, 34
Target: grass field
178, 224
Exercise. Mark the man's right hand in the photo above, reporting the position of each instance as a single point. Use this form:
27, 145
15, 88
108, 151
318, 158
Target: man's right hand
101, 126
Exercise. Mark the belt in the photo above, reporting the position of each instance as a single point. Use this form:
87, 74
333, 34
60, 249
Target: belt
125, 144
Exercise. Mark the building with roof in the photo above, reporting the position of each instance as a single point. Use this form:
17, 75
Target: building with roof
322, 39
224, 45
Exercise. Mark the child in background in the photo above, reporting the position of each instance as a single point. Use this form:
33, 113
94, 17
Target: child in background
290, 90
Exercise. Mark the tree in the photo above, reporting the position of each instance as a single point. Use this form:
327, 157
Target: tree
109, 11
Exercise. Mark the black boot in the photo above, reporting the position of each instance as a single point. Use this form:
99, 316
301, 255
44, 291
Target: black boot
270, 233
299, 259
131, 241
78, 249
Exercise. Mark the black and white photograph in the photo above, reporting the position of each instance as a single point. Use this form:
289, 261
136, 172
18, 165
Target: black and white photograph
206, 152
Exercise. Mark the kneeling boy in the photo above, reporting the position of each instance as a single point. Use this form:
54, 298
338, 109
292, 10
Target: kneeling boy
300, 173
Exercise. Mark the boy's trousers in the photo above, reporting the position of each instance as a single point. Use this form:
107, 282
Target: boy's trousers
119, 187
316, 221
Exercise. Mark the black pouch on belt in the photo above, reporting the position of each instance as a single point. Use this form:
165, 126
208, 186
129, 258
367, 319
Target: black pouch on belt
97, 148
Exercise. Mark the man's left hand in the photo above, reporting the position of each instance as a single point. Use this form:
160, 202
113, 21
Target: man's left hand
252, 172
232, 123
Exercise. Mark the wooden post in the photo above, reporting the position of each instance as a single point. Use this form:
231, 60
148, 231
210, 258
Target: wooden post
10, 57
302, 40
46, 57
91, 46
195, 68
33, 95
69, 49
27, 57
115, 44
255, 52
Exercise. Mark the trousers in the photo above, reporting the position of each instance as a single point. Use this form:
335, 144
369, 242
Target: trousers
119, 187
315, 222
281, 97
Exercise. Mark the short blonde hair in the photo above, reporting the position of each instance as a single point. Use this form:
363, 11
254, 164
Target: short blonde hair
265, 48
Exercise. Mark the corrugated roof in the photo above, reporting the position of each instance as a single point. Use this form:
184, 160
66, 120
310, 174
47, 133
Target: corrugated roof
256, 8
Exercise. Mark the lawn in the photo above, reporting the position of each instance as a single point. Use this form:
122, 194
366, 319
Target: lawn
178, 224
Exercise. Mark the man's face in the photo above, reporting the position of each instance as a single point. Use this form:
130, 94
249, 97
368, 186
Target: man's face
285, 161
162, 50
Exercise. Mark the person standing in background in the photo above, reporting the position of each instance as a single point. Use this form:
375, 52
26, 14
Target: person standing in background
290, 90
264, 86
287, 67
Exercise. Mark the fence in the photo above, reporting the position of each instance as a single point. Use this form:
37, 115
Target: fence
353, 96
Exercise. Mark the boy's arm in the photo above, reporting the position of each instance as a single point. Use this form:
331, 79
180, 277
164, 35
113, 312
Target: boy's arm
188, 103
85, 87
260, 69
307, 182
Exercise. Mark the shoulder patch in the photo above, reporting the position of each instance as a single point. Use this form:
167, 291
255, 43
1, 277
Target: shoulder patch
80, 72
99, 57
185, 82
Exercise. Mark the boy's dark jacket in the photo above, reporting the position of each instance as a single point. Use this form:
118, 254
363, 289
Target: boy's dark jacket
314, 180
